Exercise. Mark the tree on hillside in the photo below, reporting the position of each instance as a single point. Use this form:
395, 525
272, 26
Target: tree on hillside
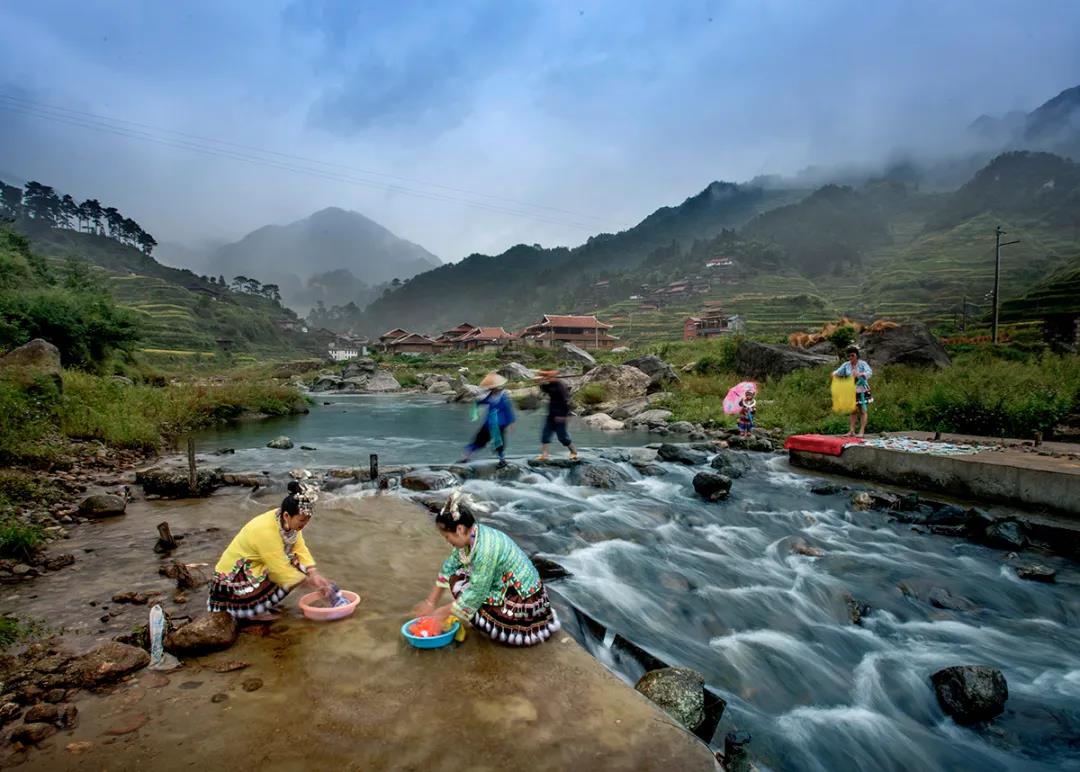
272, 291
114, 220
94, 213
69, 210
146, 242
41, 202
221, 280
10, 200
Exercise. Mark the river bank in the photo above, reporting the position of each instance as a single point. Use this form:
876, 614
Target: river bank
363, 697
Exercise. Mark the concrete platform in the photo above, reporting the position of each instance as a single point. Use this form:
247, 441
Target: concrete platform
1011, 474
352, 695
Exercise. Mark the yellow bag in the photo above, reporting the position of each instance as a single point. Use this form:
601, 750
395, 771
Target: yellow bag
843, 395
461, 630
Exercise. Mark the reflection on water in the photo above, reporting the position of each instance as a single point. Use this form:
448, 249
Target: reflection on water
717, 587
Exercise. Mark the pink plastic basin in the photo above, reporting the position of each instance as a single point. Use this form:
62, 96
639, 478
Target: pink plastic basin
327, 613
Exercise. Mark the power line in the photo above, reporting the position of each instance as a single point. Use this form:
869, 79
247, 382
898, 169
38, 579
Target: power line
57, 115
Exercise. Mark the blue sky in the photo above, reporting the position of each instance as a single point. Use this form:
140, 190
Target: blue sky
478, 124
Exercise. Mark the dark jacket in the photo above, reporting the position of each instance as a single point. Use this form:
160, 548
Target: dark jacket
559, 395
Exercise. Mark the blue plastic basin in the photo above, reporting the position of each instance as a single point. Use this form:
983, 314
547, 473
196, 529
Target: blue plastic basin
434, 642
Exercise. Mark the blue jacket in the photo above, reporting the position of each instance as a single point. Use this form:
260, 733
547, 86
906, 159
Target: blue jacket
500, 407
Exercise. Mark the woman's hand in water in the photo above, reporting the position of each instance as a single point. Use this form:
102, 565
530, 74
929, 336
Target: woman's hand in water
424, 608
321, 584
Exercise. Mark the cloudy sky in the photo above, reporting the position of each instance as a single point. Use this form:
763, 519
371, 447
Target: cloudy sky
471, 125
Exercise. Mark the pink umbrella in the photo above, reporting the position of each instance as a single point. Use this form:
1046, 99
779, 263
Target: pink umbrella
735, 395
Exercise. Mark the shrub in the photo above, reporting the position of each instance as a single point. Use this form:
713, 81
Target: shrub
592, 394
11, 630
19, 540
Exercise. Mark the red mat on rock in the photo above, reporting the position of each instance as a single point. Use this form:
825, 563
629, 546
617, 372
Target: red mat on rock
820, 443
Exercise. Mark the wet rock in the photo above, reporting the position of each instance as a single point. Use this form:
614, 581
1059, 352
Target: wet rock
9, 712
427, 480
102, 505
857, 610
172, 483
359, 366
761, 360
679, 691
252, 684
185, 580
941, 598
1036, 572
712, 486
280, 443
154, 680
1007, 534
32, 734
730, 464
107, 663
826, 489
78, 747
800, 547
128, 724
55, 695
440, 387
467, 393
627, 410
681, 427
381, 382
660, 372
307, 447
602, 422
572, 353
23, 570
326, 383
56, 562
58, 715
862, 502
230, 666
971, 693
210, 632
681, 454
736, 757
606, 476
244, 480
219, 698
135, 598
548, 569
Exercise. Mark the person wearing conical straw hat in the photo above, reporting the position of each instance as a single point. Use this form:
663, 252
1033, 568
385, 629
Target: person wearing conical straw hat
500, 415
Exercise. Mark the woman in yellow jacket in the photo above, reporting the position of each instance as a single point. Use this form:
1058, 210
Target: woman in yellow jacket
267, 559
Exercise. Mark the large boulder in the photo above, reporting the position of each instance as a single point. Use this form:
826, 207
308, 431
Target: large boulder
210, 632
660, 372
102, 505
650, 418
440, 387
382, 381
360, 366
172, 482
680, 691
515, 371
604, 475
467, 393
526, 399
621, 382
971, 693
572, 353
36, 361
733, 465
280, 443
603, 422
909, 344
712, 486
761, 360
326, 383
107, 663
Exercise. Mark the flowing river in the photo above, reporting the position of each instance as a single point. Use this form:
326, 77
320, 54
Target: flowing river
718, 587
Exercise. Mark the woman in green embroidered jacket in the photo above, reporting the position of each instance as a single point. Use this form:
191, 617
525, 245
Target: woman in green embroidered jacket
493, 583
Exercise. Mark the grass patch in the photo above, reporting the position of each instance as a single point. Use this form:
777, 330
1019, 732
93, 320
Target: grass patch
19, 540
11, 630
18, 488
592, 394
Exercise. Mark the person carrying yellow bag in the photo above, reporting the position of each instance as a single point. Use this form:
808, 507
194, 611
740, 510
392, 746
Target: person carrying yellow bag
851, 390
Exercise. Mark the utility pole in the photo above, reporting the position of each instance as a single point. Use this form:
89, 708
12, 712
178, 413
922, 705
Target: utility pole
998, 233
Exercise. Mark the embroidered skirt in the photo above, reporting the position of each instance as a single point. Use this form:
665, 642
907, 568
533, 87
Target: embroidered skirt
746, 422
517, 621
863, 399
242, 595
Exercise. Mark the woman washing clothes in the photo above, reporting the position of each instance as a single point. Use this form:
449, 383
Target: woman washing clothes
493, 583
267, 559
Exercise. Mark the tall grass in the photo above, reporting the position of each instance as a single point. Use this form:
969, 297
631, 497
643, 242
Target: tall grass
982, 393
19, 540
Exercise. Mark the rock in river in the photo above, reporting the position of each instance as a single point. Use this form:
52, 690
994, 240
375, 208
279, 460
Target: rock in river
102, 505
731, 464
603, 422
1036, 572
971, 693
680, 691
712, 486
107, 663
172, 483
1007, 534
210, 632
427, 480
280, 443
682, 455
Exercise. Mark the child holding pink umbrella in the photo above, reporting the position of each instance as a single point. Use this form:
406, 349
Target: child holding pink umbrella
740, 400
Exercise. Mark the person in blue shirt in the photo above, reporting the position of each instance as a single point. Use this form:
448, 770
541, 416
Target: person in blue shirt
500, 415
860, 370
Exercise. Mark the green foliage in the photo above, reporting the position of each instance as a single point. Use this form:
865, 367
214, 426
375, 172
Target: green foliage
19, 540
11, 630
842, 337
407, 378
28, 431
592, 394
18, 488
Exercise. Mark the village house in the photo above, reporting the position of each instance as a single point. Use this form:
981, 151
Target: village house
483, 339
390, 336
456, 333
584, 331
345, 347
414, 343
712, 323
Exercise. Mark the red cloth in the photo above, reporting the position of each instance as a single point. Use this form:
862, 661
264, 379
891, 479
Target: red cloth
820, 443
